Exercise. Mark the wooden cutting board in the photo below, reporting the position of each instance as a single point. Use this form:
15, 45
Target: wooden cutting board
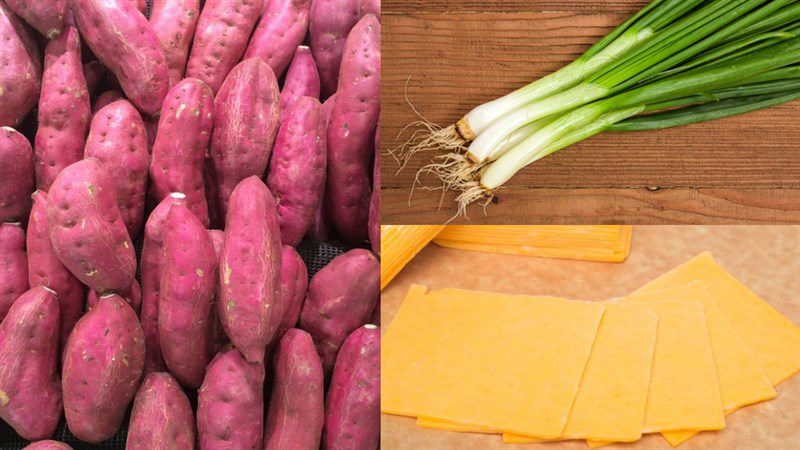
765, 258
448, 56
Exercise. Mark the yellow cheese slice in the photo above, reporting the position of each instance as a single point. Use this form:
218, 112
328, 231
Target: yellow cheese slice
618, 374
771, 337
440, 359
443, 425
604, 243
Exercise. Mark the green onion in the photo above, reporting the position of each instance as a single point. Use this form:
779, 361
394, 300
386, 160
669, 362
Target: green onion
680, 85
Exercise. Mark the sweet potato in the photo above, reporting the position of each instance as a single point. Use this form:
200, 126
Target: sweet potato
294, 284
370, 7
185, 316
340, 299
375, 201
230, 404
174, 22
351, 131
132, 295
302, 80
162, 417
352, 409
184, 130
94, 72
123, 40
105, 99
117, 138
13, 265
48, 445
247, 120
330, 23
152, 262
45, 269
249, 306
47, 17
20, 69
297, 170
64, 109
30, 389
218, 336
221, 38
140, 5
86, 228
282, 27
321, 228
16, 173
296, 409
103, 363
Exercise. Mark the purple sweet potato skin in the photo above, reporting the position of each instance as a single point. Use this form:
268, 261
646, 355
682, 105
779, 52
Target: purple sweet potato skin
29, 382
352, 414
330, 23
294, 285
48, 445
47, 17
302, 79
221, 38
99, 252
16, 173
370, 7
297, 170
218, 336
13, 266
45, 269
351, 131
296, 409
20, 69
179, 152
117, 137
321, 227
162, 417
152, 262
282, 28
249, 306
103, 363
174, 22
123, 40
185, 316
340, 299
132, 295
105, 99
64, 109
94, 72
375, 201
247, 120
230, 404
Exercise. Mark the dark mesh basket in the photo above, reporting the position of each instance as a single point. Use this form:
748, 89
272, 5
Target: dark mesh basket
316, 256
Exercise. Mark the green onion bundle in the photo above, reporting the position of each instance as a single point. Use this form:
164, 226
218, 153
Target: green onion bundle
674, 63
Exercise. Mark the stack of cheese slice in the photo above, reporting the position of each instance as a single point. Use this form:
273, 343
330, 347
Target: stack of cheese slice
604, 243
673, 358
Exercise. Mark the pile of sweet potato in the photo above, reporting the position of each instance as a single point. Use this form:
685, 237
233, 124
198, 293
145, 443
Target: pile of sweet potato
214, 136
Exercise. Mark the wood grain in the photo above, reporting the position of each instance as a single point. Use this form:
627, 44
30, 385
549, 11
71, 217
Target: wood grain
447, 56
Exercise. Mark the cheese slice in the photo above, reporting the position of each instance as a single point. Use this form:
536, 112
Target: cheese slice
604, 243
511, 363
617, 378
771, 339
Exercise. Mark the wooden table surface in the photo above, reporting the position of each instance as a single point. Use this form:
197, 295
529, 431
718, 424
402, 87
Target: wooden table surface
457, 54
765, 258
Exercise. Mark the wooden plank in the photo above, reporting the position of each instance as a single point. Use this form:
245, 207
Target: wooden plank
446, 63
602, 206
420, 6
